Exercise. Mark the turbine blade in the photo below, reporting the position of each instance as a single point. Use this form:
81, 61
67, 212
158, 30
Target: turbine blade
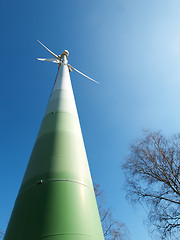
54, 60
48, 49
83, 74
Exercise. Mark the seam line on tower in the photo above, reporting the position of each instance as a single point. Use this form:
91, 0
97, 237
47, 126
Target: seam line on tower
59, 112
53, 180
66, 234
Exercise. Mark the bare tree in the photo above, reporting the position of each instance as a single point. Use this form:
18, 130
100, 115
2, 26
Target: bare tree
152, 171
112, 229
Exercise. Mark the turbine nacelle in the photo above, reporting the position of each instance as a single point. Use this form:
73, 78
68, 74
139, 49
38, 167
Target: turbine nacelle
66, 53
60, 59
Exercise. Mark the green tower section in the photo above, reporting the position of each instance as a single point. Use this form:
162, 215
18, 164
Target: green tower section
56, 200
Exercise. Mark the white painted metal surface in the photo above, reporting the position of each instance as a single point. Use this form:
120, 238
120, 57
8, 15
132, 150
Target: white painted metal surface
62, 97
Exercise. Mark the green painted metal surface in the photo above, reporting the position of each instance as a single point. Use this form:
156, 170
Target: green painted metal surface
56, 200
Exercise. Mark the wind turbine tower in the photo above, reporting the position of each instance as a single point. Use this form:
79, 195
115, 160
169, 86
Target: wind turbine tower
56, 200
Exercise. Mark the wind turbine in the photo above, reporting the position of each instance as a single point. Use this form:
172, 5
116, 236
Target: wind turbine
59, 59
56, 200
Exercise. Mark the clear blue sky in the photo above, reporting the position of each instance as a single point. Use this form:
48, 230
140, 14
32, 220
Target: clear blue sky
131, 47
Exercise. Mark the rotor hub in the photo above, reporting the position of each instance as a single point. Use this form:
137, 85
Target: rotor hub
66, 53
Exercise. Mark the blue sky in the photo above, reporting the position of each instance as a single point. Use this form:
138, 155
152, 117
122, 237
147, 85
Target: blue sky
131, 47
